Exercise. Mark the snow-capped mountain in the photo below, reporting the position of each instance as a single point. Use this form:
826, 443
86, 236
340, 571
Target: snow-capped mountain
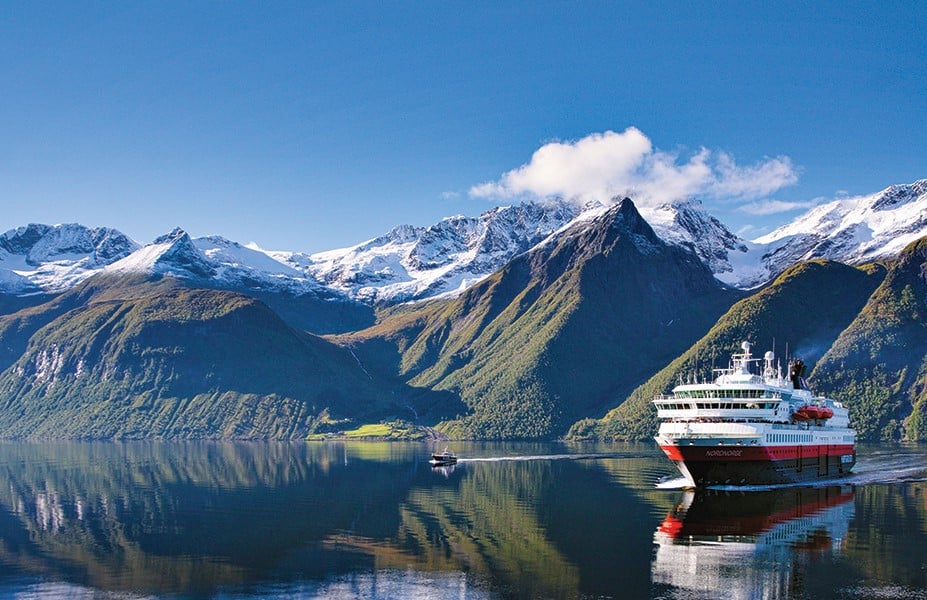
852, 230
53, 258
413, 263
733, 260
416, 263
217, 260
687, 224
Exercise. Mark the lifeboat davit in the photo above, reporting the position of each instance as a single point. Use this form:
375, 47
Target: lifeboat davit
812, 412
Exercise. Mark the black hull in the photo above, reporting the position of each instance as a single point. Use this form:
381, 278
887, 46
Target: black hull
765, 472
714, 463
443, 459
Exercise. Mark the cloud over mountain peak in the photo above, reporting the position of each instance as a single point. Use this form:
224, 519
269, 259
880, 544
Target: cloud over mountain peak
601, 166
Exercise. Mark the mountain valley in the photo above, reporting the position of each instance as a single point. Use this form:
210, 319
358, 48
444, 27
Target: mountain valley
536, 321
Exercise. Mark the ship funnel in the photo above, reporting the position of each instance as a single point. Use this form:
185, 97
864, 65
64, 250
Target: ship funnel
797, 374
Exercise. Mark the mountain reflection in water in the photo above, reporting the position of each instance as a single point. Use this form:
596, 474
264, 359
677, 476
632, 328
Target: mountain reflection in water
374, 520
300, 519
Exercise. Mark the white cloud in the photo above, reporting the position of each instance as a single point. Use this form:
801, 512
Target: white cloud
755, 181
595, 165
773, 207
749, 229
601, 166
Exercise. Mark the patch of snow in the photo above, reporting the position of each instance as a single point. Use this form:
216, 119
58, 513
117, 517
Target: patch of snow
853, 230
412, 263
54, 258
218, 260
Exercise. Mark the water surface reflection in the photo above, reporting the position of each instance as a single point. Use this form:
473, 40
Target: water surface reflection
751, 545
375, 520
210, 518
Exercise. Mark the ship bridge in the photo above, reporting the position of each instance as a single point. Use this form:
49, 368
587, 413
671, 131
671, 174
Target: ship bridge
736, 394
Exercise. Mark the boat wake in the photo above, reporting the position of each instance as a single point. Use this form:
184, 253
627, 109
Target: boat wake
678, 483
546, 457
887, 467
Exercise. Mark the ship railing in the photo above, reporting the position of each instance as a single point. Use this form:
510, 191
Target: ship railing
723, 407
663, 398
705, 436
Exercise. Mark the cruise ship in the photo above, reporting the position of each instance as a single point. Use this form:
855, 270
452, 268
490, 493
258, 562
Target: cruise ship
748, 428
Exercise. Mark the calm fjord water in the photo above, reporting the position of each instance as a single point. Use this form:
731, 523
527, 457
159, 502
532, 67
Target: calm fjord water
373, 520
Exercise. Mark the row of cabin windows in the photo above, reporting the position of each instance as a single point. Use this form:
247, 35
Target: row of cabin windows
787, 438
718, 405
723, 394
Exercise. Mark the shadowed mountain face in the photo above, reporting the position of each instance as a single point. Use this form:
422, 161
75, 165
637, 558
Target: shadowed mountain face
561, 332
163, 361
589, 324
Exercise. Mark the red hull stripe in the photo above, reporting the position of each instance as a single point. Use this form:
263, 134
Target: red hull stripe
772, 453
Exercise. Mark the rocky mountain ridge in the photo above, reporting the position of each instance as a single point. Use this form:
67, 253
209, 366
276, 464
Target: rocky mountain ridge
418, 263
207, 338
43, 258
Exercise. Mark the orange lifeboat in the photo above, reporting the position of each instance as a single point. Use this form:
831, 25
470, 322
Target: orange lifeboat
812, 412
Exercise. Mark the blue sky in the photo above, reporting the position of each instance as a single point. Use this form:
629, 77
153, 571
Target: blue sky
310, 126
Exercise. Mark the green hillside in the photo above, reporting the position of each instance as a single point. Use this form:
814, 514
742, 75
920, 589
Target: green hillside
555, 335
806, 307
878, 366
157, 360
572, 338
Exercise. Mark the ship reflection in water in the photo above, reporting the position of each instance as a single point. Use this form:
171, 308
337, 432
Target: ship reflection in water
445, 470
750, 544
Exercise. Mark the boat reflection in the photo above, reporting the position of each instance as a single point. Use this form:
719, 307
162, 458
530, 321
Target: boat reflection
750, 544
445, 470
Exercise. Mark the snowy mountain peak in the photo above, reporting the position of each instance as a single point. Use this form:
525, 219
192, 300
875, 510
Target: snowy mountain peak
218, 262
686, 223
897, 195
170, 254
176, 234
403, 233
22, 239
53, 258
411, 263
40, 244
181, 257
856, 229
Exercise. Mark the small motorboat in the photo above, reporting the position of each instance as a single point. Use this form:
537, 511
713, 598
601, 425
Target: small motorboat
445, 457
